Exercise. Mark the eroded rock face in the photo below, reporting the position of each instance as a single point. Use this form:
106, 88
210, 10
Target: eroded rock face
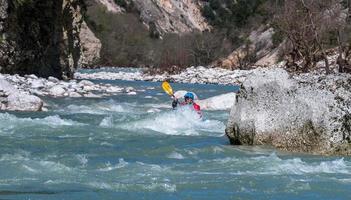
111, 6
40, 37
90, 47
167, 16
260, 45
305, 113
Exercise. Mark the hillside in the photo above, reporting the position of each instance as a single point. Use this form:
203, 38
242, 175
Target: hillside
169, 33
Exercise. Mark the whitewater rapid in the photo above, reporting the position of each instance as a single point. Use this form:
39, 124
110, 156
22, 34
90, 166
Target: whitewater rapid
136, 146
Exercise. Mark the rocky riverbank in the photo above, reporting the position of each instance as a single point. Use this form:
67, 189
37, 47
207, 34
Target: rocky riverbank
21, 93
199, 75
300, 113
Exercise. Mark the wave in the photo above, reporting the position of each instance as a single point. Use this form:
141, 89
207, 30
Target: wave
9, 121
274, 165
98, 109
108, 167
26, 163
179, 122
175, 155
107, 122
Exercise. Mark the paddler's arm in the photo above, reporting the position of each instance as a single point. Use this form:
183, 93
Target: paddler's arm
175, 102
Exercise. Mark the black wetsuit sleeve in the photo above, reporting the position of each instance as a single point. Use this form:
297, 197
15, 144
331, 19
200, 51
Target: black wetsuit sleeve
175, 103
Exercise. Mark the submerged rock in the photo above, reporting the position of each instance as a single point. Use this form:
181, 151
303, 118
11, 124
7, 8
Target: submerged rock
305, 113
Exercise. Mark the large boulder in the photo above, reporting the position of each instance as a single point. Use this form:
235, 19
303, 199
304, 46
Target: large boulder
14, 100
305, 113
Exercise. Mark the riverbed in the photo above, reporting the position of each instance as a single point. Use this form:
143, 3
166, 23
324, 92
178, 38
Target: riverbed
135, 147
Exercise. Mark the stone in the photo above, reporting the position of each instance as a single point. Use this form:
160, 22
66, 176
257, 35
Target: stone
37, 84
92, 95
24, 102
57, 91
85, 83
302, 113
53, 79
16, 100
31, 76
74, 95
113, 89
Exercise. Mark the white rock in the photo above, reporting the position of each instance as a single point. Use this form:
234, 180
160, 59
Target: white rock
131, 93
32, 76
114, 89
90, 88
37, 84
57, 91
53, 79
86, 83
24, 102
49, 84
75, 94
91, 95
302, 113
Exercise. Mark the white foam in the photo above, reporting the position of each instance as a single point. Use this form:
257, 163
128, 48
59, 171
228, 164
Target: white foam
167, 187
297, 166
82, 159
184, 121
20, 156
108, 167
153, 110
176, 155
84, 110
9, 121
107, 122
101, 108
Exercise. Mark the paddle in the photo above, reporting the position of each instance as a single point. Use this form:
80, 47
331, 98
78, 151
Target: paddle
167, 88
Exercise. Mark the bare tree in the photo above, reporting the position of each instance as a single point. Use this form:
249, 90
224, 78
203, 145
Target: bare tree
306, 24
344, 41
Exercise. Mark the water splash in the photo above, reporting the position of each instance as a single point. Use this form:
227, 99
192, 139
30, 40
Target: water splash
179, 122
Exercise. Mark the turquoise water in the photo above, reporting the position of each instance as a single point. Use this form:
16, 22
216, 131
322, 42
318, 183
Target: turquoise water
135, 147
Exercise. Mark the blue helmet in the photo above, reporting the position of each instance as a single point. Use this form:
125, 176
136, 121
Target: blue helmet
189, 95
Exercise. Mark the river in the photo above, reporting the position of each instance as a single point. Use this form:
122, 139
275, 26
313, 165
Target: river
136, 147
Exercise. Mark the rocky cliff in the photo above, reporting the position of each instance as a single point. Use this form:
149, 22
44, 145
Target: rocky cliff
302, 113
165, 16
40, 37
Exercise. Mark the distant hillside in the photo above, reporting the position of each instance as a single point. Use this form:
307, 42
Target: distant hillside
173, 34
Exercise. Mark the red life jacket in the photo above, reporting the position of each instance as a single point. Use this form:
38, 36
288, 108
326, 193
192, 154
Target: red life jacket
195, 106
197, 109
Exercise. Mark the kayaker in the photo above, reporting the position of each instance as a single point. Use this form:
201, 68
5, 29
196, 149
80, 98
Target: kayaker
188, 100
